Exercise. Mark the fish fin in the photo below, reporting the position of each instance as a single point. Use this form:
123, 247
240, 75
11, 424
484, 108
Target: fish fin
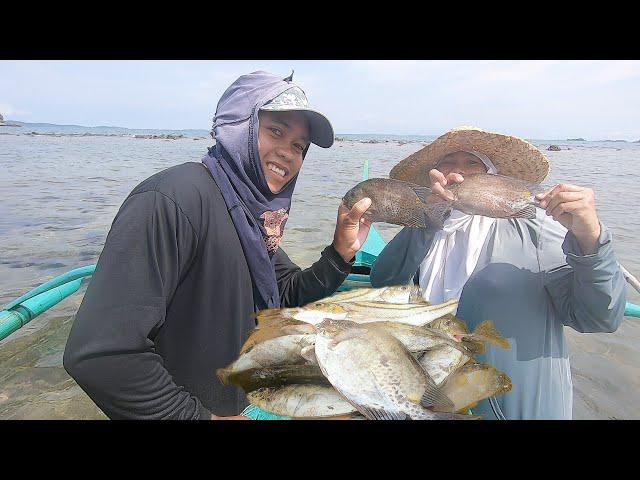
434, 397
527, 212
487, 332
269, 316
474, 346
224, 374
437, 213
415, 295
418, 219
372, 413
423, 193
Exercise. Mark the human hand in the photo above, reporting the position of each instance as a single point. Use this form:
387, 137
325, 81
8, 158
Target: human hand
232, 417
575, 208
351, 229
439, 181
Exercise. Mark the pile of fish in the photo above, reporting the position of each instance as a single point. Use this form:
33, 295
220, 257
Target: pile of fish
403, 203
374, 353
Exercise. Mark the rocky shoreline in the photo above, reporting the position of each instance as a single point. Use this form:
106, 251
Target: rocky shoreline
170, 136
387, 141
86, 134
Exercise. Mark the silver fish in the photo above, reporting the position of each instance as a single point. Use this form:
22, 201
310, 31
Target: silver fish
442, 361
278, 375
420, 339
392, 294
376, 373
259, 335
456, 329
361, 312
474, 382
283, 350
301, 401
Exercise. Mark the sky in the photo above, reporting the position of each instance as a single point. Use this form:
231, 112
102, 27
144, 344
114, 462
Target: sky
555, 99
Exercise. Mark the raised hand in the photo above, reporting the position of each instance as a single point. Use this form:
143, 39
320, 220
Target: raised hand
575, 208
351, 229
439, 181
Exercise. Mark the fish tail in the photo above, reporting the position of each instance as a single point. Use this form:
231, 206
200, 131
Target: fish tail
487, 332
267, 316
430, 214
423, 193
224, 374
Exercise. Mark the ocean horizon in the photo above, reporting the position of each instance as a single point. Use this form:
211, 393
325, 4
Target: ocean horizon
104, 130
62, 187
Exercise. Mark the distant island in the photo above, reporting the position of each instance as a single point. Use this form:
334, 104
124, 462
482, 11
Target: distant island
624, 141
576, 140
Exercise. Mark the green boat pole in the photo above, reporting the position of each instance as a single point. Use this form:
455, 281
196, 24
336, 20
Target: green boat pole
15, 318
54, 282
632, 310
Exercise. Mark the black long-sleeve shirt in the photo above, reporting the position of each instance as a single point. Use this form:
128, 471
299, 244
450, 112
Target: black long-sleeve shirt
171, 301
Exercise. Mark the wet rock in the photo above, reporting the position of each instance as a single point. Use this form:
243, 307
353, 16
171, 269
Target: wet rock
159, 137
554, 148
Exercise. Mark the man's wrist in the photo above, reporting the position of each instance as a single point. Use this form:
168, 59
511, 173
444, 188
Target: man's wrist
346, 254
589, 241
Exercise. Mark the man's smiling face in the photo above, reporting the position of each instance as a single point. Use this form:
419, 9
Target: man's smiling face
282, 140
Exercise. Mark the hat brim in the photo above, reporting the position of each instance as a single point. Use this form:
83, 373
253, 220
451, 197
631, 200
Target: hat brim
320, 129
512, 156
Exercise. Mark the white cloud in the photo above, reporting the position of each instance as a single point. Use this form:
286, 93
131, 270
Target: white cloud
534, 99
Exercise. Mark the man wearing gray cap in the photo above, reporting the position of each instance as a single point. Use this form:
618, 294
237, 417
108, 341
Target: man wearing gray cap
194, 251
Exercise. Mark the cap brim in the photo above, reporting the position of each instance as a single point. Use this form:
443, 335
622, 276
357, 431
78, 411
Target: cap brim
320, 129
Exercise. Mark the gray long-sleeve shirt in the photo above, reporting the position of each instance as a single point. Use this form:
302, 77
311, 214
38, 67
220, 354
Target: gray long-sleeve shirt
171, 301
531, 280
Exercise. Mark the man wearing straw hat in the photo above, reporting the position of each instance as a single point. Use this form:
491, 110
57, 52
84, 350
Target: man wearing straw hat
531, 277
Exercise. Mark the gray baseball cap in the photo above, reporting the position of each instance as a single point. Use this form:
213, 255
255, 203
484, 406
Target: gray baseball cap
294, 99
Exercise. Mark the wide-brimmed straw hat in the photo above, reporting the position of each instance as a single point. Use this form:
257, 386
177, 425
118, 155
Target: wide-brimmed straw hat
512, 156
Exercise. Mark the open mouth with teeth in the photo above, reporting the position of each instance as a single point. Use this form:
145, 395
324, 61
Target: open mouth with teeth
277, 169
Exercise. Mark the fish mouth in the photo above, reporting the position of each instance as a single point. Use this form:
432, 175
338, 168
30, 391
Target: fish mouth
277, 169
